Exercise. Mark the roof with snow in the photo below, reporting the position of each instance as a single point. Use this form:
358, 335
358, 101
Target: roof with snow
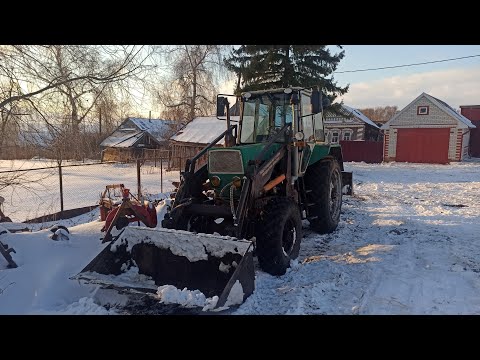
349, 111
451, 111
360, 115
133, 129
202, 130
441, 105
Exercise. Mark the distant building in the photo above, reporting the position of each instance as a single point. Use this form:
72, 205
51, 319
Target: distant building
134, 135
349, 124
472, 112
194, 136
427, 130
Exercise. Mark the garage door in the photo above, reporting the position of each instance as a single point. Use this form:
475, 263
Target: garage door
423, 145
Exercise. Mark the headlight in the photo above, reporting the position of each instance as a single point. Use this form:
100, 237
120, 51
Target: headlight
237, 182
215, 181
299, 136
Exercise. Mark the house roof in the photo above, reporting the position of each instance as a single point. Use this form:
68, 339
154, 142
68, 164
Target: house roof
202, 130
127, 136
349, 111
155, 127
360, 115
441, 104
451, 111
122, 138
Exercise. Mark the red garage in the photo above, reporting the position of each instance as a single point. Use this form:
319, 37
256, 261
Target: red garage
427, 130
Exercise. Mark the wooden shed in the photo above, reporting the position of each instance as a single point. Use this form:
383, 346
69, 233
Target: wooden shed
134, 135
427, 130
194, 136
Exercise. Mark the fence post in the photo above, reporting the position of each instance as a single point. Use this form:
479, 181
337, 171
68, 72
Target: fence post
155, 157
61, 189
161, 175
139, 186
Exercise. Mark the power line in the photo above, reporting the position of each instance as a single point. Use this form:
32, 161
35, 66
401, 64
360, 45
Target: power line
398, 66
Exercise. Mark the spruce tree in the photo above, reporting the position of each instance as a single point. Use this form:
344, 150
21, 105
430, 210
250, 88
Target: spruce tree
261, 67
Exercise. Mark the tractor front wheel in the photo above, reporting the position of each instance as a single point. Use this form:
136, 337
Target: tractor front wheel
278, 235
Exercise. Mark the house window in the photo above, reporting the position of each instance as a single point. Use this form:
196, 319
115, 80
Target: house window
335, 136
422, 110
347, 135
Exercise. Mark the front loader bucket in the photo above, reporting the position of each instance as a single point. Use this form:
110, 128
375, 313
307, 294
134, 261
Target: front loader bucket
142, 259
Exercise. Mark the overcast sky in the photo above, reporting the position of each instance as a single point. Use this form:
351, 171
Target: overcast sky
455, 82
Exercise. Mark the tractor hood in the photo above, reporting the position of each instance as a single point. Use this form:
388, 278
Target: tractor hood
226, 163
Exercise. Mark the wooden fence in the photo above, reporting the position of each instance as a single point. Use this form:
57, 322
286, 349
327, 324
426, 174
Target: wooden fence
367, 151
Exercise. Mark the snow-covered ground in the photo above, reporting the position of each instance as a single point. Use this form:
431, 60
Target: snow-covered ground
407, 243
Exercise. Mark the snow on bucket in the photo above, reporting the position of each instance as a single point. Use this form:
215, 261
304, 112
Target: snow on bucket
142, 259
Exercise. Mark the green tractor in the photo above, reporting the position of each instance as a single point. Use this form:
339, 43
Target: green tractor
274, 169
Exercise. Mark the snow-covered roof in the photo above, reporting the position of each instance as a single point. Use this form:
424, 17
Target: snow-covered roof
122, 138
360, 115
451, 111
127, 135
441, 105
202, 130
155, 127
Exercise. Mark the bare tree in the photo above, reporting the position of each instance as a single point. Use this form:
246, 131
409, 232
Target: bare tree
49, 67
190, 89
380, 114
71, 83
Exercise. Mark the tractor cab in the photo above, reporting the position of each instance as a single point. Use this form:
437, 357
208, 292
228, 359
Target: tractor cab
296, 113
266, 113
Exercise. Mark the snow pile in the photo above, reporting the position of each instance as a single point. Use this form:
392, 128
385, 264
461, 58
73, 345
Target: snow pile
59, 235
84, 306
236, 295
169, 294
194, 247
130, 278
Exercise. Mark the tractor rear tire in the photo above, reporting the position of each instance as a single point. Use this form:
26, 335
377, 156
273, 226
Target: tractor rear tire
323, 182
278, 235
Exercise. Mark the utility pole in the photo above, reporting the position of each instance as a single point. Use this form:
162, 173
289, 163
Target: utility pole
100, 121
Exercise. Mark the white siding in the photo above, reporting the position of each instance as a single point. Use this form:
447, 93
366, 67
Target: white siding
465, 144
435, 118
392, 146
452, 143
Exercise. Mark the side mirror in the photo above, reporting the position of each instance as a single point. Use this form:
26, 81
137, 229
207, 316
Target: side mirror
221, 102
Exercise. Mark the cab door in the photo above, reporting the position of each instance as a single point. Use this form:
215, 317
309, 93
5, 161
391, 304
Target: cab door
306, 124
